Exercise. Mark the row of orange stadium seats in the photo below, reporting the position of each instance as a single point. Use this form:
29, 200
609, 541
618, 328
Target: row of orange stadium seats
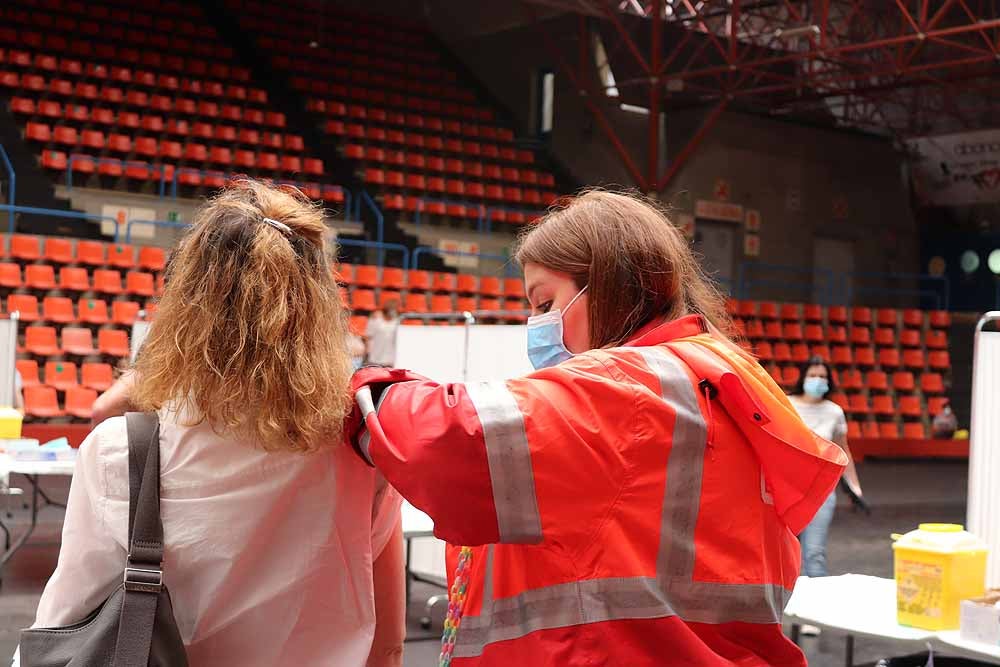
416, 121
62, 310
366, 275
844, 355
886, 430
44, 342
908, 406
60, 250
41, 401
875, 381
364, 301
859, 315
113, 96
104, 282
430, 142
63, 374
816, 333
426, 162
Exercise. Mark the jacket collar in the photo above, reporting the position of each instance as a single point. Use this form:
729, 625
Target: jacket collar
658, 331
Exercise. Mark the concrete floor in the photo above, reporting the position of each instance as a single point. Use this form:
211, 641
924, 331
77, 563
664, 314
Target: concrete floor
902, 494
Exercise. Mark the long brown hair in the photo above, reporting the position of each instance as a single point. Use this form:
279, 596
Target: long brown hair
250, 334
638, 265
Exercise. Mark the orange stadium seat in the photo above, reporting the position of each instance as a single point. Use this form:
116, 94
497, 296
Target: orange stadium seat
837, 315
121, 256
812, 312
441, 303
92, 311
41, 401
800, 353
877, 381
767, 310
903, 381
858, 404
467, 284
415, 303
152, 258
764, 351
882, 405
25, 248
466, 303
909, 338
74, 279
936, 340
755, 329
363, 299
792, 331
26, 306
864, 356
821, 351
888, 430
80, 402
885, 337
782, 353
96, 376
772, 330
935, 405
888, 358
139, 283
78, 341
853, 430
913, 318
418, 280
914, 431
61, 375
789, 376
28, 368
366, 276
915, 359
869, 429
836, 334
861, 316
748, 309
887, 317
931, 383
861, 335
393, 278
850, 380
107, 281
443, 282
113, 342
841, 355
791, 312
939, 360
40, 277
93, 253
58, 309
813, 333
41, 341
939, 319
10, 275
513, 287
909, 406
124, 313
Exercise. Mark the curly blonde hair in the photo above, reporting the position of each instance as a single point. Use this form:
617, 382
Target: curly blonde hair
251, 334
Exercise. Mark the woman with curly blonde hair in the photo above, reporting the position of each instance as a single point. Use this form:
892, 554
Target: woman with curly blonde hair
280, 545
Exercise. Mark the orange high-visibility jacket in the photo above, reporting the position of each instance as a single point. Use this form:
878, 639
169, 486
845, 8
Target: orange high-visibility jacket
635, 506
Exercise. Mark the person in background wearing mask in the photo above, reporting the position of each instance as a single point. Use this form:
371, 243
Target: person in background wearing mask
380, 335
827, 420
638, 496
945, 423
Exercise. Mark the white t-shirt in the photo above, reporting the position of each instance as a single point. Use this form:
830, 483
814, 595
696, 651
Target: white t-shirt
381, 334
826, 419
268, 555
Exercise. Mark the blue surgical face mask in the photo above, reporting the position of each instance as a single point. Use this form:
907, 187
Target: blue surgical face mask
545, 337
815, 386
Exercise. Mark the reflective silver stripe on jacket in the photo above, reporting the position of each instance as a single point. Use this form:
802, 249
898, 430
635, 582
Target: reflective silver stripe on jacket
673, 591
509, 460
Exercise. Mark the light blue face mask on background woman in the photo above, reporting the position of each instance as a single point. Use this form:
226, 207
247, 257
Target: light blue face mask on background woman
545, 337
815, 386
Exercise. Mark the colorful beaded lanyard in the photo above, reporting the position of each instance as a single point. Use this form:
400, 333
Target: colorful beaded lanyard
456, 606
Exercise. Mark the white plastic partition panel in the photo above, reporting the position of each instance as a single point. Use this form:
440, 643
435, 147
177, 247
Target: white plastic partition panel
8, 353
494, 352
984, 457
139, 331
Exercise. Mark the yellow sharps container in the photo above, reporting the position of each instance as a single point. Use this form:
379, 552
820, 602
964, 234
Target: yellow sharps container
10, 424
937, 566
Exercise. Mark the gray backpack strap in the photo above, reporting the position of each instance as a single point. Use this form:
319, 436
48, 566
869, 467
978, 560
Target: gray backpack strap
143, 570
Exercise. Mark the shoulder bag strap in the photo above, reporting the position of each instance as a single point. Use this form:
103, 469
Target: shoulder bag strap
143, 579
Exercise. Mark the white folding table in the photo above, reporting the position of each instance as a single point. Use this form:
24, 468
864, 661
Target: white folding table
865, 606
32, 471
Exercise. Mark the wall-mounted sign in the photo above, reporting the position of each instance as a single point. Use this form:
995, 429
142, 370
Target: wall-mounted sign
718, 210
722, 190
956, 169
751, 245
751, 220
459, 254
123, 215
840, 209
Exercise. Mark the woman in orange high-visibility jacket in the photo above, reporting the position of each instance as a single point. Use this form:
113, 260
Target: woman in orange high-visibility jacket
635, 501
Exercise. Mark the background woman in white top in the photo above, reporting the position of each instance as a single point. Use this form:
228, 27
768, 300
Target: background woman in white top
282, 547
380, 334
827, 420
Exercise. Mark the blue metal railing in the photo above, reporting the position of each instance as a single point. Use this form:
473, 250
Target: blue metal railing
34, 210
381, 247
11, 190
428, 250
942, 296
826, 289
154, 223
